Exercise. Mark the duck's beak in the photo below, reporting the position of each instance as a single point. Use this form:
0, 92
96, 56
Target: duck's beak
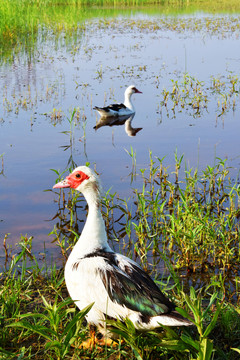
62, 184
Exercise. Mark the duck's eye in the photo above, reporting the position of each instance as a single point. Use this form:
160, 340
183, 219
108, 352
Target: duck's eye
78, 176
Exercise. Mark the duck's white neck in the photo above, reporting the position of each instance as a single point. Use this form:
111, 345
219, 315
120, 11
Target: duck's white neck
128, 125
127, 101
94, 233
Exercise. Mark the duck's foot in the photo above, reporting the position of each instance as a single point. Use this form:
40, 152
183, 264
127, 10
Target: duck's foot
107, 342
97, 340
92, 343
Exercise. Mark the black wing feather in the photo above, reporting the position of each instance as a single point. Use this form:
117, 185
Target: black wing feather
132, 287
114, 107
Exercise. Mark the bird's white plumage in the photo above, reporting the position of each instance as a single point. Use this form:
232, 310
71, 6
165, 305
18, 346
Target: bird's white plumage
116, 285
85, 284
123, 109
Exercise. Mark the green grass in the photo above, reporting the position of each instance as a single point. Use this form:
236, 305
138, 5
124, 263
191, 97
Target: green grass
193, 95
181, 225
180, 231
195, 219
21, 21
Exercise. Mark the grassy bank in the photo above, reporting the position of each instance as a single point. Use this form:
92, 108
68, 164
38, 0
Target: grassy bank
185, 233
21, 20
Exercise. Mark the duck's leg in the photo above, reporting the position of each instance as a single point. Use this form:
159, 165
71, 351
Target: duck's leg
97, 339
91, 342
104, 339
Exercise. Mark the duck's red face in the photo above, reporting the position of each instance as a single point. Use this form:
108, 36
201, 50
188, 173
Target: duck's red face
73, 180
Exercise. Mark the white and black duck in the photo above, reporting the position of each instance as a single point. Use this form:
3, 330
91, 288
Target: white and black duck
117, 285
119, 110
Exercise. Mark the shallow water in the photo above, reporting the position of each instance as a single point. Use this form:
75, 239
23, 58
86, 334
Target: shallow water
94, 70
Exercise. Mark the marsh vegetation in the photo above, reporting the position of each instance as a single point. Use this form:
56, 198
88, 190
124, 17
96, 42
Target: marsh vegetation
171, 194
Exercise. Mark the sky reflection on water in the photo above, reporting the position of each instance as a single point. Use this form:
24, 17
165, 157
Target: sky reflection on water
33, 141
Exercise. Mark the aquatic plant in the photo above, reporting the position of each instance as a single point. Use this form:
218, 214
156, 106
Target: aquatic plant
193, 96
2, 160
25, 23
181, 224
170, 226
186, 219
39, 320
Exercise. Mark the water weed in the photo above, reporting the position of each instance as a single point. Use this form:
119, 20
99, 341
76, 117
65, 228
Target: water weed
181, 224
193, 96
2, 161
23, 25
171, 226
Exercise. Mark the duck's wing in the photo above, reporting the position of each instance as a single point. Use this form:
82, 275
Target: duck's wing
117, 107
128, 285
109, 108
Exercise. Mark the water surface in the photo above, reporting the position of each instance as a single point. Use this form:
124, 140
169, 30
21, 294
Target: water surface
41, 89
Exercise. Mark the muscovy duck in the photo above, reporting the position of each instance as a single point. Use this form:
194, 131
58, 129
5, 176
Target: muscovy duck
118, 110
117, 285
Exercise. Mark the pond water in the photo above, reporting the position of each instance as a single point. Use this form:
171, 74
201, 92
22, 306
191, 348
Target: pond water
187, 68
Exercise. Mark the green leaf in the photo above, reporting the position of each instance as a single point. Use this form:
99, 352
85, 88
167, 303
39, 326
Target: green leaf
46, 304
191, 305
213, 297
195, 344
5, 352
41, 330
170, 332
176, 345
237, 350
77, 318
206, 349
185, 314
53, 344
212, 323
32, 315
136, 353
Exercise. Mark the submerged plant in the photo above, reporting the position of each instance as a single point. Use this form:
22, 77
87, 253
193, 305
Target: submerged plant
132, 154
2, 171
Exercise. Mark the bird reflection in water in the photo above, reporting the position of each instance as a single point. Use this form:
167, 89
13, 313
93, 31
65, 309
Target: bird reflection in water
121, 120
